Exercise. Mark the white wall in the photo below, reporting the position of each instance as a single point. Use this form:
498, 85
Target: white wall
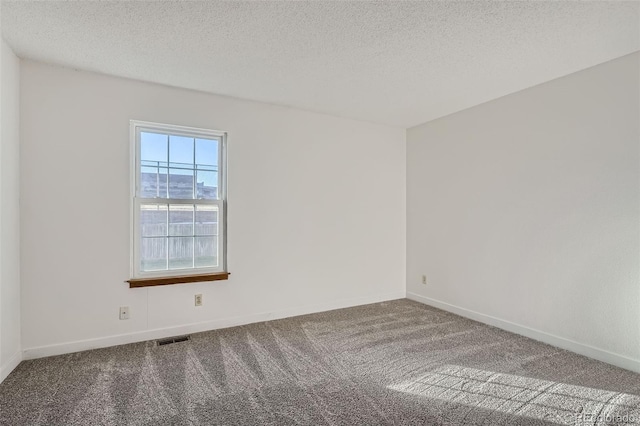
524, 212
316, 211
10, 347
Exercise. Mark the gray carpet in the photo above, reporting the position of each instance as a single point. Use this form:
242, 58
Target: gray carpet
397, 362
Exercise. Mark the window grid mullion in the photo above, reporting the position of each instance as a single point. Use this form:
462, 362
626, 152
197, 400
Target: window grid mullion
168, 171
197, 202
195, 175
193, 236
193, 213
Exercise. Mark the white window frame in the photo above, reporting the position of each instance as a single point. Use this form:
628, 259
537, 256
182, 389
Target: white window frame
136, 127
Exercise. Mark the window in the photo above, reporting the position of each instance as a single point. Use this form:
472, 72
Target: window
178, 191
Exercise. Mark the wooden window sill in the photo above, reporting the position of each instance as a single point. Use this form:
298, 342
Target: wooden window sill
179, 279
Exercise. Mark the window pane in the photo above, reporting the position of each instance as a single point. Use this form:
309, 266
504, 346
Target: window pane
153, 181
206, 220
207, 169
181, 220
206, 252
153, 220
181, 167
181, 150
207, 152
180, 183
153, 147
153, 163
180, 252
153, 254
207, 185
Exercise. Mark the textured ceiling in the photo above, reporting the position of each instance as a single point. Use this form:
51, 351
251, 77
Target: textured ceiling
399, 63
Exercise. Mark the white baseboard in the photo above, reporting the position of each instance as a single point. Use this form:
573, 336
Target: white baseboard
560, 342
103, 342
10, 365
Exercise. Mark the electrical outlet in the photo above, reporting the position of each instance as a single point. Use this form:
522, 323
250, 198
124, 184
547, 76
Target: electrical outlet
198, 300
124, 312
424, 280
